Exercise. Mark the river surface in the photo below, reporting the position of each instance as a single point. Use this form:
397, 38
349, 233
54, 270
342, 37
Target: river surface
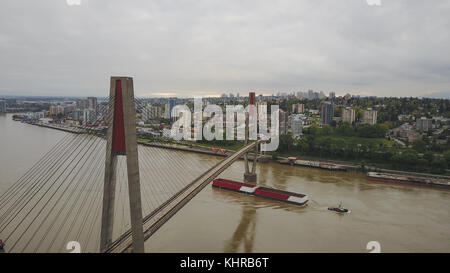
401, 218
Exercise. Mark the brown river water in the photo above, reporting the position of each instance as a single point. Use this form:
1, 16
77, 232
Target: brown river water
402, 218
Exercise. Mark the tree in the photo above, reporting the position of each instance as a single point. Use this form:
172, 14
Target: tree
428, 156
419, 145
345, 129
327, 130
439, 165
447, 156
286, 143
358, 113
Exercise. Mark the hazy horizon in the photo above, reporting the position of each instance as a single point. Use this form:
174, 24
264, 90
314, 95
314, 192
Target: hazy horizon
206, 48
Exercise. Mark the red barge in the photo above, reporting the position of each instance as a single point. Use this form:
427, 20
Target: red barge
407, 179
279, 195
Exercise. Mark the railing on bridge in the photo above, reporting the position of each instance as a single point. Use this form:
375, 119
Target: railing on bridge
60, 198
157, 218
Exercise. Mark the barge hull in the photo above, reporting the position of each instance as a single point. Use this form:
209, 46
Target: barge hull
268, 193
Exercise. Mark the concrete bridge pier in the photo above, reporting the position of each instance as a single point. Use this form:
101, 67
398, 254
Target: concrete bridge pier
250, 176
122, 141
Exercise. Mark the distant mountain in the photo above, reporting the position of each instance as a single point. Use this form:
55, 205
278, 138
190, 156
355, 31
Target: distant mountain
438, 95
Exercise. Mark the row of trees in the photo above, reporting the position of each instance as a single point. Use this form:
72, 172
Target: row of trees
345, 129
388, 108
364, 143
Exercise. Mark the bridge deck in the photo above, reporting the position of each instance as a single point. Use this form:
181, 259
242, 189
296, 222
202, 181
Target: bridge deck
158, 217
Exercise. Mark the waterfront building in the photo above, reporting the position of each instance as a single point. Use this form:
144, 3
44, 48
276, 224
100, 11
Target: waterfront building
369, 116
89, 116
77, 114
326, 112
92, 103
296, 126
57, 110
82, 104
2, 106
284, 118
348, 115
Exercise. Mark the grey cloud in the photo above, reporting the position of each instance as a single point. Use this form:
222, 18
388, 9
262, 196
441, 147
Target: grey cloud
191, 47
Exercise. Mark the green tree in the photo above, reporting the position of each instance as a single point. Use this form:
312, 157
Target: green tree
447, 156
439, 165
428, 156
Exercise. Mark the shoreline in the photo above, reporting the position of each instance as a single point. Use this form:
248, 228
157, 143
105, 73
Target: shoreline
300, 162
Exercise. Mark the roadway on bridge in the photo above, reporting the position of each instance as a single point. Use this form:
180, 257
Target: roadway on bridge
161, 215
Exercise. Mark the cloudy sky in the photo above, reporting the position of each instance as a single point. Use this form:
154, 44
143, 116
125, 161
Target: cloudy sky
208, 47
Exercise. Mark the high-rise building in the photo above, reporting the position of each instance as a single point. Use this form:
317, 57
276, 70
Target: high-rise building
424, 125
370, 116
57, 110
332, 95
284, 118
298, 108
89, 116
299, 95
2, 106
348, 115
92, 103
77, 114
326, 112
152, 112
169, 106
296, 126
82, 104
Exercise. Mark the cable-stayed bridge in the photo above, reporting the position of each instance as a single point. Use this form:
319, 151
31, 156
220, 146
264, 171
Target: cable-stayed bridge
107, 204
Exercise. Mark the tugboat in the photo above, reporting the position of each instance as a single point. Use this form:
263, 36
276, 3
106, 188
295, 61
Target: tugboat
339, 209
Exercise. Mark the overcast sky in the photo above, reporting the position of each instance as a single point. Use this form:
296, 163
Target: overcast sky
208, 47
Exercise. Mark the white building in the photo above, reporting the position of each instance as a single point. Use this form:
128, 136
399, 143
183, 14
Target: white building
57, 110
348, 115
89, 116
296, 126
424, 125
151, 112
370, 116
92, 103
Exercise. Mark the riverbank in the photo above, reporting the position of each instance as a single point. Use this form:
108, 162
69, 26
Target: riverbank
303, 161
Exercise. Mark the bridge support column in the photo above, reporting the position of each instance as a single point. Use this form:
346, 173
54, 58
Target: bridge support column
122, 141
250, 176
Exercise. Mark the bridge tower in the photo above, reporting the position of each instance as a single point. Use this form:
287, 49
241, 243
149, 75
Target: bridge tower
250, 176
122, 141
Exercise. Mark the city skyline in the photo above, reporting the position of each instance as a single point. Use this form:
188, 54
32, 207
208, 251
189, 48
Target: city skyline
194, 48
